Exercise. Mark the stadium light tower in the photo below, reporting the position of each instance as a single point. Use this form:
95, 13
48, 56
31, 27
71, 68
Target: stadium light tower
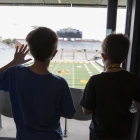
73, 49
85, 51
62, 53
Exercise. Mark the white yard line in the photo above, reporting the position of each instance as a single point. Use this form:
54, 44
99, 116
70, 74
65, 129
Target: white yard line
56, 67
88, 70
73, 74
96, 67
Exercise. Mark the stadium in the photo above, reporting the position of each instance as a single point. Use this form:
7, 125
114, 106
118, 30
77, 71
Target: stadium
77, 58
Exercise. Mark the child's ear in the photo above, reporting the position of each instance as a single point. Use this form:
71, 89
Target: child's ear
54, 53
104, 56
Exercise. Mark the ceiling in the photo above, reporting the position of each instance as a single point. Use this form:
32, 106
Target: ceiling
73, 3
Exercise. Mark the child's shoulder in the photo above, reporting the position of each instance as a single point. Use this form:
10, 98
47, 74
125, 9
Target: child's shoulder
58, 78
16, 68
134, 76
96, 76
123, 74
103, 75
24, 71
131, 74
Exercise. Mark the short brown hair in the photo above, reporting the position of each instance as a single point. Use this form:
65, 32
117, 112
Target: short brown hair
116, 47
42, 42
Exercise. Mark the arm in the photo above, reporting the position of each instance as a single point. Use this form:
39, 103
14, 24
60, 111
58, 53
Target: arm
18, 58
66, 108
88, 99
138, 105
70, 117
136, 95
86, 111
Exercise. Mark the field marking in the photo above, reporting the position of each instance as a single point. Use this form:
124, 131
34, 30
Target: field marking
55, 67
73, 74
88, 70
96, 67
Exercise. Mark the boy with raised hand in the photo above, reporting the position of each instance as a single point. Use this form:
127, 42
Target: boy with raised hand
108, 96
38, 97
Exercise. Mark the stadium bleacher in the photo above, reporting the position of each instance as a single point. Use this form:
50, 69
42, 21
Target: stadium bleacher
74, 50
7, 54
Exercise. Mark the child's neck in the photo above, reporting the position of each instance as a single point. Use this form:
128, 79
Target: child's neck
40, 67
115, 69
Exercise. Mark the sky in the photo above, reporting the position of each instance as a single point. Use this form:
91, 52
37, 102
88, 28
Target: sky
17, 21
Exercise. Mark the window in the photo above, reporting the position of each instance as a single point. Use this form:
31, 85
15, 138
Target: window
81, 33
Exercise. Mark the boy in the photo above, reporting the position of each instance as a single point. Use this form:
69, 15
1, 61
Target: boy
38, 97
108, 96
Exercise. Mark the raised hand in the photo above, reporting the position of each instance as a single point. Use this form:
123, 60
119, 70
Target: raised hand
20, 55
18, 58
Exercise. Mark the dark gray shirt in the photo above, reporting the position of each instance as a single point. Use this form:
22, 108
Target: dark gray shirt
110, 96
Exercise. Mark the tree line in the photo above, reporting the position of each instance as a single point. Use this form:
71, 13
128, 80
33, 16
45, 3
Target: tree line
9, 41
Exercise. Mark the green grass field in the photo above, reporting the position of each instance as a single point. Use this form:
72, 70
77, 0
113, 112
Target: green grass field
76, 73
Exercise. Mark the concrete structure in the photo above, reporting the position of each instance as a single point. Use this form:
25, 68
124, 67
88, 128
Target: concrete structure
74, 50
111, 16
99, 62
67, 3
88, 44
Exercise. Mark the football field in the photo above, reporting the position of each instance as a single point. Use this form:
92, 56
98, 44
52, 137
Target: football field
76, 74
